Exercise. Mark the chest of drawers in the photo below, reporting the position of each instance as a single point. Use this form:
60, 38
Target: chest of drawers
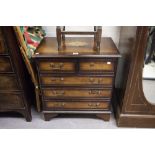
15, 85
76, 79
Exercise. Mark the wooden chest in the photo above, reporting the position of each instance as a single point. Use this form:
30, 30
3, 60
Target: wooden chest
15, 85
76, 79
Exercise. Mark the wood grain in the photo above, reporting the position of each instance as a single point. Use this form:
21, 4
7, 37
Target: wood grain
104, 105
48, 47
8, 82
76, 80
56, 66
97, 66
104, 93
5, 65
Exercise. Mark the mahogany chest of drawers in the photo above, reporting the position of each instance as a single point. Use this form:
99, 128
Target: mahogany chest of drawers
76, 79
15, 85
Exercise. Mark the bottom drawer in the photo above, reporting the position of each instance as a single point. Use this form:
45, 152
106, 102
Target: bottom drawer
11, 101
56, 105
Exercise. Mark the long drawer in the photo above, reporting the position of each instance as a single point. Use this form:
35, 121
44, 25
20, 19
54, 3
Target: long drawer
83, 105
11, 100
76, 92
76, 80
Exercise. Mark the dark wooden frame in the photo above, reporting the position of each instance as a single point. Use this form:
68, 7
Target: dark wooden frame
133, 109
61, 32
26, 89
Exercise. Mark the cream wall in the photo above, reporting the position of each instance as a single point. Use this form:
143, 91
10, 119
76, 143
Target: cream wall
107, 31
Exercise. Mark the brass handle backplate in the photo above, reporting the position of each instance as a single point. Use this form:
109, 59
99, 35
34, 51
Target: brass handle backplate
56, 66
92, 64
97, 81
95, 92
58, 93
94, 104
59, 104
57, 79
92, 80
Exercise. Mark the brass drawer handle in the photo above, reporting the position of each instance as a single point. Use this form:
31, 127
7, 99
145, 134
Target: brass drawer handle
53, 79
57, 79
95, 92
92, 64
92, 80
55, 66
98, 81
59, 104
94, 104
61, 92
61, 79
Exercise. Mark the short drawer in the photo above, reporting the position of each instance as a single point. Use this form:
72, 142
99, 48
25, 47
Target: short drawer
82, 93
58, 105
95, 66
60, 66
11, 101
5, 64
76, 80
8, 82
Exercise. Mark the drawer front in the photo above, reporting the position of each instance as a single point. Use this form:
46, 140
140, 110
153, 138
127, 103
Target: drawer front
49, 66
5, 65
77, 93
97, 66
3, 49
56, 105
8, 82
11, 101
76, 80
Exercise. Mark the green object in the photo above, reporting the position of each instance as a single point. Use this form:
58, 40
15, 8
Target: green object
33, 35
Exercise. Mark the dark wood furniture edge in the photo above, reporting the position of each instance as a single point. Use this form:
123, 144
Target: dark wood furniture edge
133, 109
104, 115
135, 120
26, 113
21, 73
49, 116
61, 32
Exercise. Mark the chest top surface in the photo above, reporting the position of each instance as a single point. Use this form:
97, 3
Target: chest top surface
76, 47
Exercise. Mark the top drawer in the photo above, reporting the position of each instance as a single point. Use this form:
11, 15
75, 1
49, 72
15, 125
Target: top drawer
56, 66
97, 66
